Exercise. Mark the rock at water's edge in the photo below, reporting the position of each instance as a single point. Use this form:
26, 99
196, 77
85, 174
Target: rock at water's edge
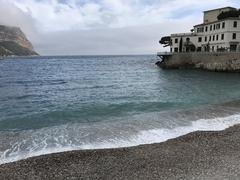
221, 62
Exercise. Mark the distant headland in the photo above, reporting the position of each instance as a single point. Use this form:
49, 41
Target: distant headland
13, 42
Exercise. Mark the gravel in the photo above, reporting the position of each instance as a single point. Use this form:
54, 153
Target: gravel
198, 155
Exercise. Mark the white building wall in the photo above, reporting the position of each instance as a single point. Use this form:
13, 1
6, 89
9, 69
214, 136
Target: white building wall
191, 36
213, 37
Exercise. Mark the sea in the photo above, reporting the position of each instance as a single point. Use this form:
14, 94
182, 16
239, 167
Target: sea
63, 103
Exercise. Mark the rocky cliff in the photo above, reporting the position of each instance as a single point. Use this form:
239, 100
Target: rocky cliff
221, 61
14, 42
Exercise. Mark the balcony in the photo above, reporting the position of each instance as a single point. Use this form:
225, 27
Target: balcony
164, 53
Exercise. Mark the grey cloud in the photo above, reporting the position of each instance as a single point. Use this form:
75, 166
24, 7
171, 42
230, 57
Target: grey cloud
128, 40
10, 15
135, 40
141, 39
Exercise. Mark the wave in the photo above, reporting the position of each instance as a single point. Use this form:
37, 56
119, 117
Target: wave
161, 135
60, 139
89, 113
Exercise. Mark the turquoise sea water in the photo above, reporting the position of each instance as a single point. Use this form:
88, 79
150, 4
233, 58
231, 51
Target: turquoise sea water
52, 104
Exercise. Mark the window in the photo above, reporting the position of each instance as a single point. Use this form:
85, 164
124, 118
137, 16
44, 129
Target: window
170, 49
213, 38
199, 49
212, 48
235, 24
187, 39
210, 38
234, 36
214, 27
233, 47
223, 25
206, 28
222, 37
200, 39
218, 26
217, 37
201, 29
176, 40
211, 28
175, 49
206, 39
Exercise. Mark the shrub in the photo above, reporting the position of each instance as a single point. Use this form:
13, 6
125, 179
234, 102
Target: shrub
228, 14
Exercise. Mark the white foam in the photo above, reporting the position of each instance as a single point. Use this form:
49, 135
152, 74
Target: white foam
142, 137
161, 135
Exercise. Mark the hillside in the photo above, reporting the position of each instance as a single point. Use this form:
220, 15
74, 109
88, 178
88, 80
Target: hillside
14, 42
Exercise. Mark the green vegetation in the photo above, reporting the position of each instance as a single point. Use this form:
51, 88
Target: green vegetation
5, 52
229, 14
166, 41
12, 48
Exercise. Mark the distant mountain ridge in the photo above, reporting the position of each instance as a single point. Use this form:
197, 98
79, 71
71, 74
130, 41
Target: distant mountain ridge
13, 42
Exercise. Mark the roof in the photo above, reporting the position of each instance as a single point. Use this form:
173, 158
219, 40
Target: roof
183, 34
229, 18
228, 7
200, 25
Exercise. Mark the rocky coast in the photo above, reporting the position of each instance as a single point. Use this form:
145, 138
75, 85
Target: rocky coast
211, 61
13, 42
198, 155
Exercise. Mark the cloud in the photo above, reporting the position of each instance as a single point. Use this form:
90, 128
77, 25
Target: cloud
103, 26
11, 15
126, 40
55, 15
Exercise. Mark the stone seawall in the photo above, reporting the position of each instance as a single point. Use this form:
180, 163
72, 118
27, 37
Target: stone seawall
220, 61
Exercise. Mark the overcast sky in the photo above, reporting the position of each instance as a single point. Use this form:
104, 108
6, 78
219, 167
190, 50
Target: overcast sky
90, 27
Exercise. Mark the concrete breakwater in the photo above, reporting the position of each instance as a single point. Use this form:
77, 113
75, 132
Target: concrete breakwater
212, 61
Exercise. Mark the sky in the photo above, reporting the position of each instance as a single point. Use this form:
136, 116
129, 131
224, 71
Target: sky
103, 27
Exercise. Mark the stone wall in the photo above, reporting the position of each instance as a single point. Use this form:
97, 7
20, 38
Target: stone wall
222, 61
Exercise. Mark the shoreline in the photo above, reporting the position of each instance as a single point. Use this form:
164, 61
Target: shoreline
200, 155
210, 61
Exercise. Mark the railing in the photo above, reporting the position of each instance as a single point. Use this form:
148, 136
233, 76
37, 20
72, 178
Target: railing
184, 34
164, 53
197, 52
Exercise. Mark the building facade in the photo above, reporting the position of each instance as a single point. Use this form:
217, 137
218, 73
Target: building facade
213, 35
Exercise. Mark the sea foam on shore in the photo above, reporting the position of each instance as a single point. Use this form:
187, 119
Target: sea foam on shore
161, 135
51, 144
197, 155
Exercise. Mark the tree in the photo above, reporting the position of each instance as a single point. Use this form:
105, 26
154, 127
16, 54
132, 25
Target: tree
166, 41
181, 45
228, 14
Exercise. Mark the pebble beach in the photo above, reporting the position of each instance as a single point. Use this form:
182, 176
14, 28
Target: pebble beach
198, 155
